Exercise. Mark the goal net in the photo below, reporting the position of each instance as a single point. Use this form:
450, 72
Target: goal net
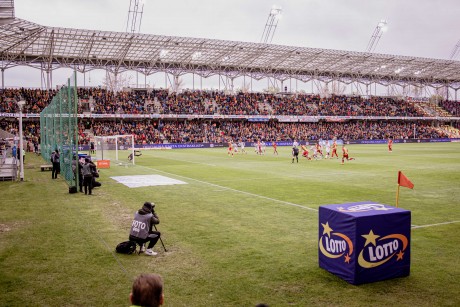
118, 149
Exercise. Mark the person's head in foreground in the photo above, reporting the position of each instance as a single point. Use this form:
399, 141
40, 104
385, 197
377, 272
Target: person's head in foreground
147, 291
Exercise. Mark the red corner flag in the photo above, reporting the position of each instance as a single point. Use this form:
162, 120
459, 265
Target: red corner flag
403, 181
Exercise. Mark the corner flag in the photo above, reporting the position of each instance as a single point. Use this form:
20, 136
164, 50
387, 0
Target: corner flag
404, 181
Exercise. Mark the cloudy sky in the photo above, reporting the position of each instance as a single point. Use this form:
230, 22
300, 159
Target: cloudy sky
422, 28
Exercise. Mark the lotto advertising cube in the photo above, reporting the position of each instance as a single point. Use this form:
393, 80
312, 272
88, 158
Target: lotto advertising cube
364, 242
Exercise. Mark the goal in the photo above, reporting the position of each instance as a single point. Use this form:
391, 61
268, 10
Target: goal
116, 148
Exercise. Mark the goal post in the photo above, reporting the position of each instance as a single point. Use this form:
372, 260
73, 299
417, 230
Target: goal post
116, 148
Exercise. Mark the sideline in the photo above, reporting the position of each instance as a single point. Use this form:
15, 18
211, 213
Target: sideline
234, 190
433, 225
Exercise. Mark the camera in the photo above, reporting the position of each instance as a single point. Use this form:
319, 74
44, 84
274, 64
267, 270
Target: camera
149, 206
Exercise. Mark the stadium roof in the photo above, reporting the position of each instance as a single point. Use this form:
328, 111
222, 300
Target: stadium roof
26, 43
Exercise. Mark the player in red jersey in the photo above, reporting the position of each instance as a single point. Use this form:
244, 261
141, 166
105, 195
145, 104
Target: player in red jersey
258, 148
230, 148
319, 149
305, 152
345, 154
275, 151
390, 144
334, 150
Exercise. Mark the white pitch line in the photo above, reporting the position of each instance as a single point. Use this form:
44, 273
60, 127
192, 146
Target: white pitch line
235, 190
432, 225
244, 179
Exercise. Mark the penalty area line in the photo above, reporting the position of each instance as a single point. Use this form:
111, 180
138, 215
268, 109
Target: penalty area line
432, 225
235, 190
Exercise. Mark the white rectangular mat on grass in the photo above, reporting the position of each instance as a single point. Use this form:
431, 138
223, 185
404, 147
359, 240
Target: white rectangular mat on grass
146, 180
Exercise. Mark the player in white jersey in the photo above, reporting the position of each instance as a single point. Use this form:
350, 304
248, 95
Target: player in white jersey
235, 148
241, 144
314, 151
328, 149
258, 148
263, 147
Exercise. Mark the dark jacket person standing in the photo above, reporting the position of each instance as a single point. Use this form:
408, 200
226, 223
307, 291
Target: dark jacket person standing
55, 159
141, 228
87, 173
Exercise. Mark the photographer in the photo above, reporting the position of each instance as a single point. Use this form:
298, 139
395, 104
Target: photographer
95, 173
141, 228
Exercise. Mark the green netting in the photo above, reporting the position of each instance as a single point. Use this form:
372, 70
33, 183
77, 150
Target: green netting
59, 130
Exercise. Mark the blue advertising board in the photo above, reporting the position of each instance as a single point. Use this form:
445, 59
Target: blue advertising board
364, 242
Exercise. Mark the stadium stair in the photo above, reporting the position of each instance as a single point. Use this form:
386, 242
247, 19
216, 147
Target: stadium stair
452, 132
8, 170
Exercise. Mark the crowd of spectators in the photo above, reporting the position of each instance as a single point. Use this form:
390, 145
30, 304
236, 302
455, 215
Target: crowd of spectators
36, 100
197, 131
314, 105
30, 130
101, 101
453, 107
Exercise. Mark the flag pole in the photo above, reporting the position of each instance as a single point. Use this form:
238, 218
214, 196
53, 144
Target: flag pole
397, 196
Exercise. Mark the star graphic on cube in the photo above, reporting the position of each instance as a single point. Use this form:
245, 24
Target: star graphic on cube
370, 238
327, 230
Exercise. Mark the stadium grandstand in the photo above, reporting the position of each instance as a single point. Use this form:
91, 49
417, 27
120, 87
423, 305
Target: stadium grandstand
158, 116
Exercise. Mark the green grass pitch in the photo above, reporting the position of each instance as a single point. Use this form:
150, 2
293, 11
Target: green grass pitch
242, 231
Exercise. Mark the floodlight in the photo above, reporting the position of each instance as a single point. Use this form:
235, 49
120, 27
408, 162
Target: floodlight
276, 10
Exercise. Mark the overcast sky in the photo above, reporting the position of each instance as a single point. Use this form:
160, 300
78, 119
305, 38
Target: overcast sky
422, 28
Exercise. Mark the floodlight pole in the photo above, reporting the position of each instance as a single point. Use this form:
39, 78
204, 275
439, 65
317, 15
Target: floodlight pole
378, 31
136, 9
271, 24
21, 145
455, 51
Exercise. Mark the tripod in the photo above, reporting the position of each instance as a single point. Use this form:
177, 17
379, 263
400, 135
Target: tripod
160, 239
